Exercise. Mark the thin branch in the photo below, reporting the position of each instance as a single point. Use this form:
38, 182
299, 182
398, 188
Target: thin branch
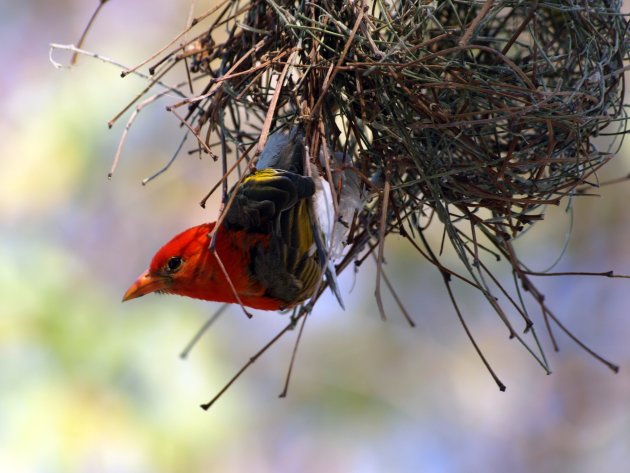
250, 362
174, 40
105, 59
202, 330
75, 55
447, 283
381, 246
285, 389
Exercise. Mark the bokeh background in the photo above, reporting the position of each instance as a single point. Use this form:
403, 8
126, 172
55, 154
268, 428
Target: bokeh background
88, 384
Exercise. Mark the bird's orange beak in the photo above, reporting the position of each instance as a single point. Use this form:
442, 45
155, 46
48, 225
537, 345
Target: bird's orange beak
145, 284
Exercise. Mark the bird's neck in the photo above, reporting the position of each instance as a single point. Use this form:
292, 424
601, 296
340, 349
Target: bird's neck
224, 271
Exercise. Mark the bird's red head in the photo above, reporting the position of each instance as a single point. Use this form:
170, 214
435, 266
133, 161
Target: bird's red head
176, 267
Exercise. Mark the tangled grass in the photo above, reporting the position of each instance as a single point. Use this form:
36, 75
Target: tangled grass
466, 116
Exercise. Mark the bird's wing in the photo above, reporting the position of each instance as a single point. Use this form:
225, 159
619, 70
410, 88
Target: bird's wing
262, 198
276, 202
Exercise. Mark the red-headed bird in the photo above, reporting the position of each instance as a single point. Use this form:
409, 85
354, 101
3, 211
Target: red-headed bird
271, 242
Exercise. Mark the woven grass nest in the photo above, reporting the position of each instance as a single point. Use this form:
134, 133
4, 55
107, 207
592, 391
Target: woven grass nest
462, 104
467, 115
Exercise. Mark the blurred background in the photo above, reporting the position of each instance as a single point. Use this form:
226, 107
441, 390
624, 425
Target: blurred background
88, 384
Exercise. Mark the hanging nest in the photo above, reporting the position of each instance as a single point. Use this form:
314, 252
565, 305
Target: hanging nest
468, 116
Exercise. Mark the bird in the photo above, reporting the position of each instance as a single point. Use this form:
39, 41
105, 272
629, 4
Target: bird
270, 248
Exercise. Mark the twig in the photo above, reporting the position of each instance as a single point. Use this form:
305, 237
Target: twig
74, 49
124, 133
193, 131
146, 180
285, 389
381, 247
75, 55
264, 133
475, 23
447, 283
333, 69
204, 328
229, 280
174, 40
401, 306
250, 362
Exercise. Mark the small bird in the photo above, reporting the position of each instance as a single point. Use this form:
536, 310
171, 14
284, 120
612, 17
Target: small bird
270, 242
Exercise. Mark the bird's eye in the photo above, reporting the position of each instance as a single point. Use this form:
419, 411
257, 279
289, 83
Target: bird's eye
173, 264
